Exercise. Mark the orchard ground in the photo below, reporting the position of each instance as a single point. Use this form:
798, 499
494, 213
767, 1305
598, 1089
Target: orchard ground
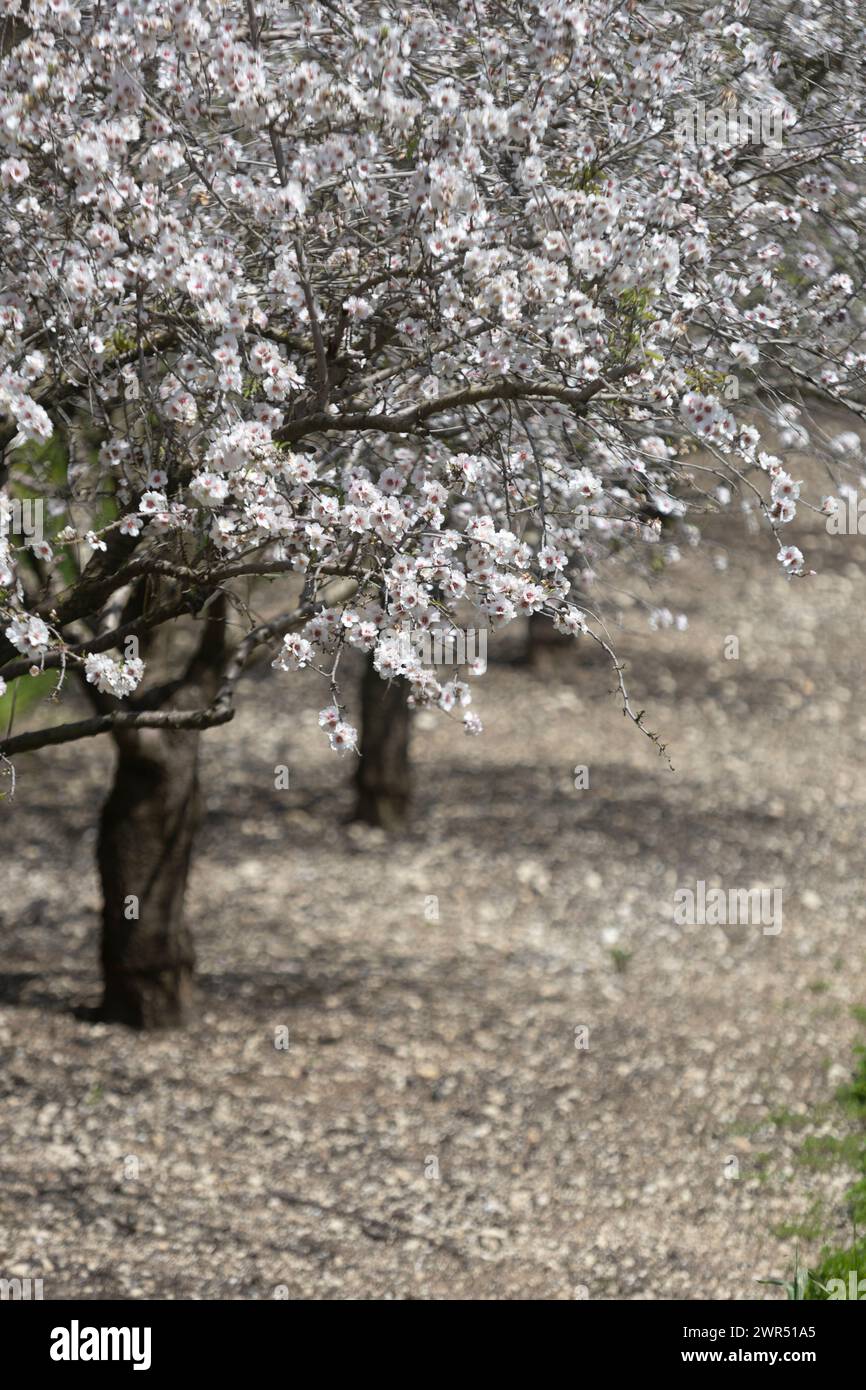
432, 1129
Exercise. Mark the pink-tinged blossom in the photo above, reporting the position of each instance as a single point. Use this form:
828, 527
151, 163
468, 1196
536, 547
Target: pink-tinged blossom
113, 677
343, 737
152, 502
14, 172
791, 559
29, 635
296, 653
209, 488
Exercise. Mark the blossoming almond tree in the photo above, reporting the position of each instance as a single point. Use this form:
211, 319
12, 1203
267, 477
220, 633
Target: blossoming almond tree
420, 314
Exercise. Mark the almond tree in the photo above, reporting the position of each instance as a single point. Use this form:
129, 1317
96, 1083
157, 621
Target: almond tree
420, 314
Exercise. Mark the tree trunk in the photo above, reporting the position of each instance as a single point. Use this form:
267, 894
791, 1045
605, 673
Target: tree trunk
145, 844
146, 836
383, 780
544, 644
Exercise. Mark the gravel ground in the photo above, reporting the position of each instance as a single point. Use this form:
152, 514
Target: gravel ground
433, 1130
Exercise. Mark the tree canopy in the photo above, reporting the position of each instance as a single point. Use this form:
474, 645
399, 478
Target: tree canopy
430, 314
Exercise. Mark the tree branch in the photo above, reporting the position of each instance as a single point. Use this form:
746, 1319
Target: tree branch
118, 719
220, 711
498, 389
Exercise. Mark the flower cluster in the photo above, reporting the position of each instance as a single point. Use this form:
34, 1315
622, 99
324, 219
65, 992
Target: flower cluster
112, 677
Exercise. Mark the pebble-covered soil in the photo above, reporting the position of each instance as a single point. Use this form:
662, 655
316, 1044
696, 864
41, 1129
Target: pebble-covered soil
509, 1072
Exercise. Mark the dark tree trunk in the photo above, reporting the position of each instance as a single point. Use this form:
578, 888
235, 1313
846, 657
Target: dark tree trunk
544, 644
384, 779
145, 845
